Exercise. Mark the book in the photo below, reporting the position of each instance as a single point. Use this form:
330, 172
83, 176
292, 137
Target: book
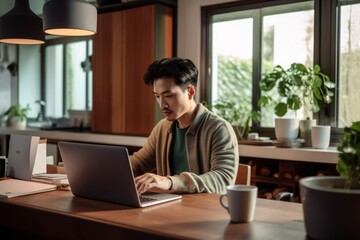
11, 187
58, 179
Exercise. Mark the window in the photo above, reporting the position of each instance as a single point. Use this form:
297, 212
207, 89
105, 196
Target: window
349, 62
245, 43
244, 40
67, 77
232, 57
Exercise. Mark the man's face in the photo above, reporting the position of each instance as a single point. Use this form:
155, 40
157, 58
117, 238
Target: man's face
173, 101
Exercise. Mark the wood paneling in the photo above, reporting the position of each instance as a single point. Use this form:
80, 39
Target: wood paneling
126, 43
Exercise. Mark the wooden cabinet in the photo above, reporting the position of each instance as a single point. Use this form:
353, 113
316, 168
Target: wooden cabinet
127, 41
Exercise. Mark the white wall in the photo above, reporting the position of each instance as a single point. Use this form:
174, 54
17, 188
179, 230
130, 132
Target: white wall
35, 5
189, 25
8, 83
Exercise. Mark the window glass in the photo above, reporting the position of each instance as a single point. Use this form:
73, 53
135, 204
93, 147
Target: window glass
286, 38
75, 76
89, 77
349, 64
68, 77
245, 44
54, 80
232, 61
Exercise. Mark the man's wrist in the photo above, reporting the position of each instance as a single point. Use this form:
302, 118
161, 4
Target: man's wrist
170, 184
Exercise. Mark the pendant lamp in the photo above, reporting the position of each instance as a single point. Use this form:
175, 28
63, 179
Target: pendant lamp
69, 18
21, 26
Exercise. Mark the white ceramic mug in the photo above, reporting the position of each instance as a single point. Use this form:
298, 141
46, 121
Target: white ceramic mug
241, 201
286, 129
320, 136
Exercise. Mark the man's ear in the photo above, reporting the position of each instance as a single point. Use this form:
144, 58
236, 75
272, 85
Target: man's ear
191, 91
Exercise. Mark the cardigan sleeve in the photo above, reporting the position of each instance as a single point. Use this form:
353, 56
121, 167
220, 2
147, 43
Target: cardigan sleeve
144, 160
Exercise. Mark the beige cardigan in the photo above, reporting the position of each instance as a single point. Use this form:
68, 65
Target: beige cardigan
212, 152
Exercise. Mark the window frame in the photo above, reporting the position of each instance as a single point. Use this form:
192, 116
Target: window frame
325, 53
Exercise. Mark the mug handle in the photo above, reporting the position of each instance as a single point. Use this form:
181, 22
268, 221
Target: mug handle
221, 202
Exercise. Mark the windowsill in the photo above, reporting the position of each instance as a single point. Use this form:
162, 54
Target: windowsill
329, 155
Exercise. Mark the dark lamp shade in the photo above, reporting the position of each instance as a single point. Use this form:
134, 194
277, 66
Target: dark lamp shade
21, 26
69, 18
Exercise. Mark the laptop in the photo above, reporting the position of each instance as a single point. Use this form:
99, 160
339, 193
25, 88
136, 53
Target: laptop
103, 172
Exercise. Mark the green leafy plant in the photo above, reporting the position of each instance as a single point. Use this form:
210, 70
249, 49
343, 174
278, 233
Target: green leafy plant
18, 111
297, 87
348, 165
237, 116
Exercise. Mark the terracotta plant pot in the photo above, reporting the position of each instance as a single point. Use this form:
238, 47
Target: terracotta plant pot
330, 211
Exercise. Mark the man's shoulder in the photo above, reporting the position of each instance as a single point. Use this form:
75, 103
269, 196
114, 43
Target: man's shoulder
209, 121
212, 118
163, 124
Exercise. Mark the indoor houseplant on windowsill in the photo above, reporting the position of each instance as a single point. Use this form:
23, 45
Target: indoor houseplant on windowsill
332, 203
298, 87
236, 115
17, 116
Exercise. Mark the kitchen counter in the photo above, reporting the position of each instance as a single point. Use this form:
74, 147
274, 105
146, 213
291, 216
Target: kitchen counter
113, 139
329, 155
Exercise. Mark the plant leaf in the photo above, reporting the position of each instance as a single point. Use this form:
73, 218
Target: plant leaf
280, 109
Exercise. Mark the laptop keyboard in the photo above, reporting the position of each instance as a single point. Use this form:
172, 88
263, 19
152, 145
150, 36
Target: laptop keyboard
146, 199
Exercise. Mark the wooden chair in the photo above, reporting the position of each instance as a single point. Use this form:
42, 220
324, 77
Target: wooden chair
243, 175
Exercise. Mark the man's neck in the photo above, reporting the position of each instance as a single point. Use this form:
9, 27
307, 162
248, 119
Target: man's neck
186, 120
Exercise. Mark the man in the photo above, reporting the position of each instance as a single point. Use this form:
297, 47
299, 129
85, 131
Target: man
191, 150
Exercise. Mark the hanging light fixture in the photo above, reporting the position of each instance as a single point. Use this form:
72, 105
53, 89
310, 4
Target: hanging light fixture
21, 26
69, 18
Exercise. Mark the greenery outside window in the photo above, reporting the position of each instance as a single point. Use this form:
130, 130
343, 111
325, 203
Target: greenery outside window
245, 39
349, 64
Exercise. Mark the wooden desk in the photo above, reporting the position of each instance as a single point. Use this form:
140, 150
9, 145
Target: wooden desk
60, 215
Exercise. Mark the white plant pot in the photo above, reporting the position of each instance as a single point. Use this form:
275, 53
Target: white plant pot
330, 211
16, 122
286, 129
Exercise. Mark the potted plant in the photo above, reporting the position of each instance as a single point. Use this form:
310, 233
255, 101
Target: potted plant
236, 115
332, 203
298, 87
16, 116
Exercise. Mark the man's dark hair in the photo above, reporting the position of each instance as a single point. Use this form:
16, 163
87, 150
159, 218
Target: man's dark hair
182, 70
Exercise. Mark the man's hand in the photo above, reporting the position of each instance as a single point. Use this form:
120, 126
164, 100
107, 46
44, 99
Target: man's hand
150, 180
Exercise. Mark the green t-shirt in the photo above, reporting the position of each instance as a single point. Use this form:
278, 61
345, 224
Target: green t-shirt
179, 162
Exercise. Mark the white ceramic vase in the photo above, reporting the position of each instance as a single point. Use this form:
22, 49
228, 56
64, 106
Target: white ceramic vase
286, 129
330, 211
